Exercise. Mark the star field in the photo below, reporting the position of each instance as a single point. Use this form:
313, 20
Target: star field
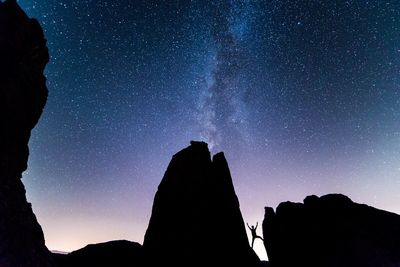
302, 96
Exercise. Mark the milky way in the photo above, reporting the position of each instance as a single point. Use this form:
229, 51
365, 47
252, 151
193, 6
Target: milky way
222, 107
302, 96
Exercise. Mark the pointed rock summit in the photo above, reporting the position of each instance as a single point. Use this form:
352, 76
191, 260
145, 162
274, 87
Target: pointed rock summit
23, 94
331, 231
196, 219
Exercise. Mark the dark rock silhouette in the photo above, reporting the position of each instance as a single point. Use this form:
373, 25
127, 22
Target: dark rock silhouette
119, 253
23, 94
331, 231
196, 220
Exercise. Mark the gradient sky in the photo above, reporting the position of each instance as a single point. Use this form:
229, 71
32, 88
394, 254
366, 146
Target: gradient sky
302, 96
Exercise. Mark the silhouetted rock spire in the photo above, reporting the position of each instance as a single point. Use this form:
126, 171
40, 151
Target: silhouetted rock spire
331, 231
196, 219
23, 94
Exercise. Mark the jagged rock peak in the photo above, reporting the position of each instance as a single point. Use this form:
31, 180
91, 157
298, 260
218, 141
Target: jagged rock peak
198, 144
196, 219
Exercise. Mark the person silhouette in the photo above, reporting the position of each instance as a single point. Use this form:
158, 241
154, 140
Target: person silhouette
254, 233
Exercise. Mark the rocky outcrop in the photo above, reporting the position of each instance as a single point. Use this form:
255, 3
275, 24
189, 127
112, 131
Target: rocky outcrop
121, 253
196, 219
331, 231
23, 94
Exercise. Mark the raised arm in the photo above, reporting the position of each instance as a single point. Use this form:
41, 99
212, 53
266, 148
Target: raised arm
248, 226
256, 225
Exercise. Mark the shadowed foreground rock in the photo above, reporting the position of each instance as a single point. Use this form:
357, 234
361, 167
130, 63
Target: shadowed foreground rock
196, 220
331, 231
23, 94
119, 253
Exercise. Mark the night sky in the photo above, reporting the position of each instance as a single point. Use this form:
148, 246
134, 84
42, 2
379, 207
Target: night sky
302, 96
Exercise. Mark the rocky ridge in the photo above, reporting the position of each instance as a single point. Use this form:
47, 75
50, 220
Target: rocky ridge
330, 231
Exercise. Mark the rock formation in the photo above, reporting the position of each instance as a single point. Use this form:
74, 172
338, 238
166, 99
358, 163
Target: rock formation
331, 231
119, 253
196, 220
23, 94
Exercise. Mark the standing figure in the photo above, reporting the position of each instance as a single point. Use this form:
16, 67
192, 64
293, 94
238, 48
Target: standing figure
254, 234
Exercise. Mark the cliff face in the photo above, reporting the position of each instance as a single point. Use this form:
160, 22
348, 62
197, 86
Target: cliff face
331, 231
196, 219
23, 94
